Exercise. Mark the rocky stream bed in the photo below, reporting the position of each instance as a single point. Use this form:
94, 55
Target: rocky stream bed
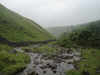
57, 64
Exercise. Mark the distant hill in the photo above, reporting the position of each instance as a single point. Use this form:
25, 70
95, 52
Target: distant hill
87, 35
57, 31
17, 28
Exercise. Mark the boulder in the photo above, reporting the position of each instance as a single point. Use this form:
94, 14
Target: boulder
85, 73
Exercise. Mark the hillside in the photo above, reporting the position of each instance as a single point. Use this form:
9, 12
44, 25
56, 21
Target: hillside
17, 28
88, 32
86, 38
57, 31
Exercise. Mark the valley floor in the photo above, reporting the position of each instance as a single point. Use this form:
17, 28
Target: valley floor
49, 59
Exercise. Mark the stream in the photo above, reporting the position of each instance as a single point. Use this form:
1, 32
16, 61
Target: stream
40, 64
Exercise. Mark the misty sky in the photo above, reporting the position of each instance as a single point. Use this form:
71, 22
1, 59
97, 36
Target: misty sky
56, 12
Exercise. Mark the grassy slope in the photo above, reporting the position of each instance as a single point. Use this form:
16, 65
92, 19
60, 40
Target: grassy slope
87, 36
16, 28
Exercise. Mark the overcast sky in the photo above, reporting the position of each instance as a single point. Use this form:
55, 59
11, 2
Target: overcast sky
56, 12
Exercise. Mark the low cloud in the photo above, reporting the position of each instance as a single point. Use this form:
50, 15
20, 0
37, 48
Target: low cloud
56, 12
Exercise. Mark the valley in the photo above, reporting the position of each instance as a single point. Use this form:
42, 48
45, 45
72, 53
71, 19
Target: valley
28, 49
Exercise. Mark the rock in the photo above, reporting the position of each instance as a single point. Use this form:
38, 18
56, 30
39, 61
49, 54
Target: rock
67, 57
27, 50
76, 58
76, 67
54, 67
86, 65
1, 73
43, 67
13, 51
33, 73
58, 60
69, 51
49, 66
36, 74
59, 56
85, 73
77, 54
70, 62
54, 71
44, 72
36, 63
54, 55
98, 70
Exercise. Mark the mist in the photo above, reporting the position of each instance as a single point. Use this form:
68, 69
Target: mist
50, 13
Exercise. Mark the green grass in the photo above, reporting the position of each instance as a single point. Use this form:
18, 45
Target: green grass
10, 63
73, 72
14, 27
4, 47
90, 63
47, 49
